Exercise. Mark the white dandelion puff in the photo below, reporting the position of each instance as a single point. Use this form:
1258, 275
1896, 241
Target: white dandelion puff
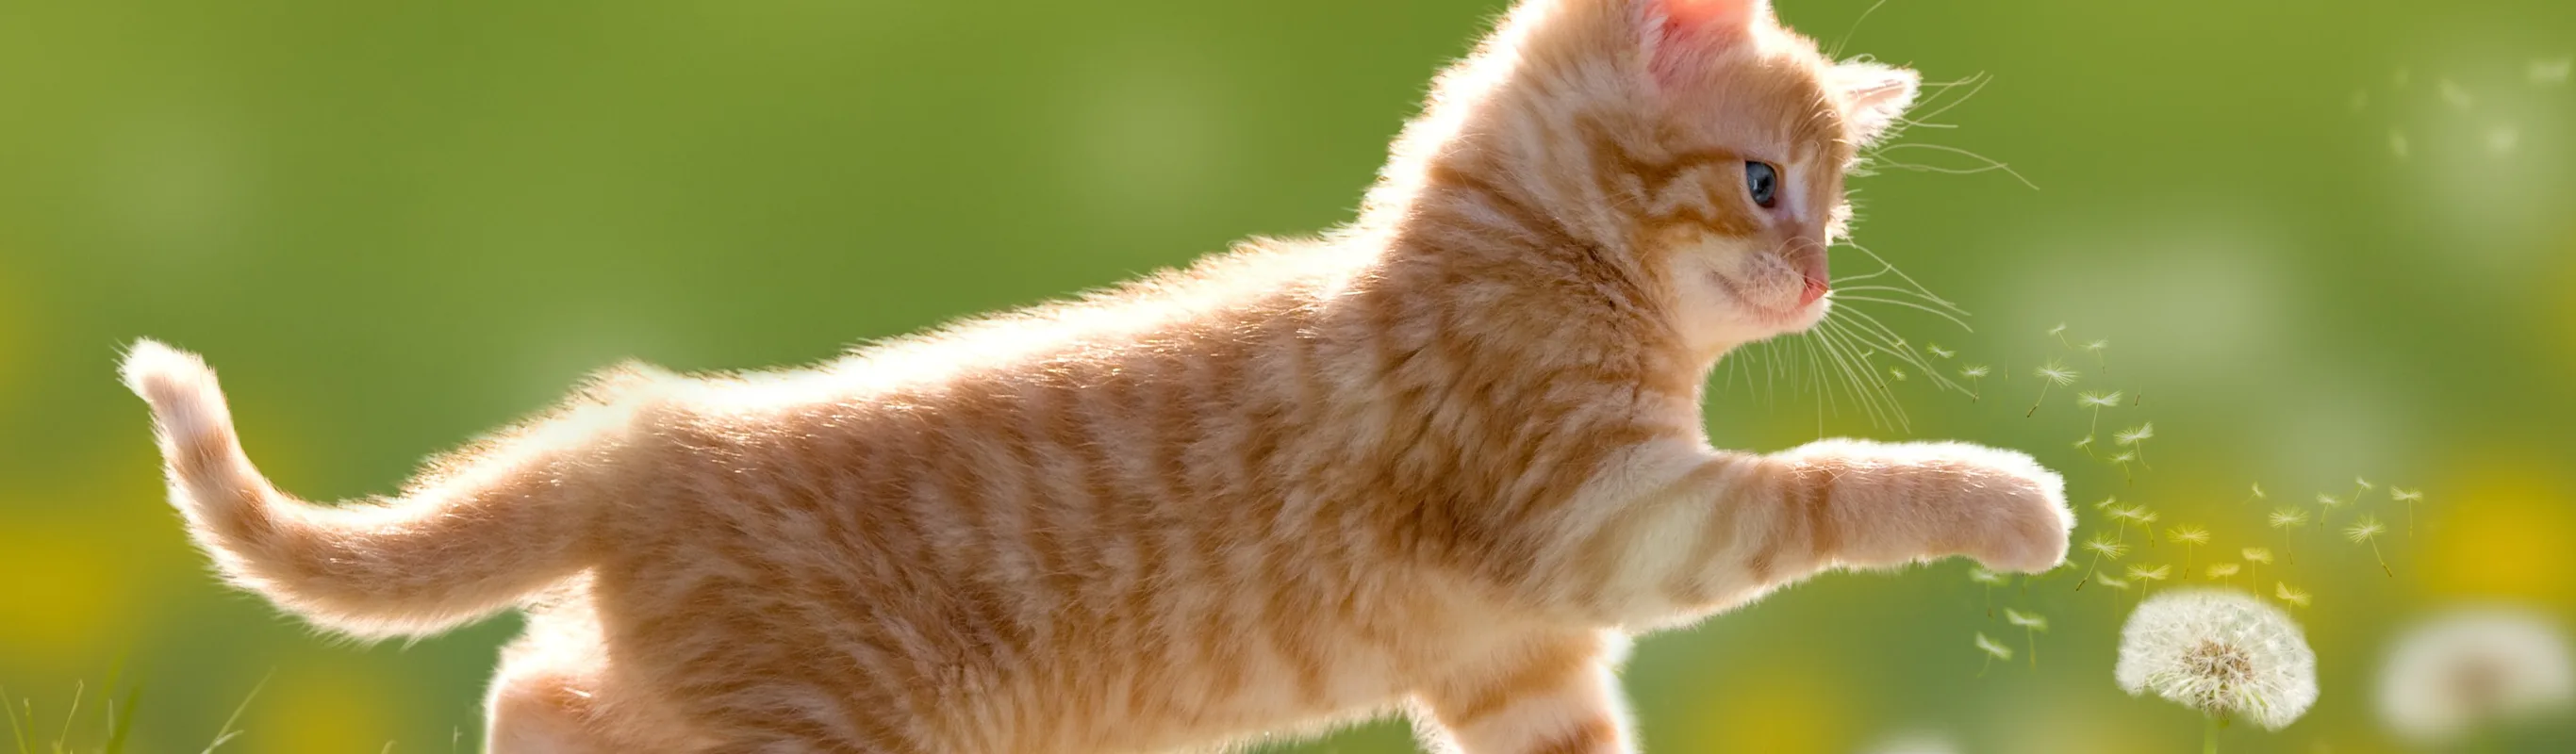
2221, 652
2471, 667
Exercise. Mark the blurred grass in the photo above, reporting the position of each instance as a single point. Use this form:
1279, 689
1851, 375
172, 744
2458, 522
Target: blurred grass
394, 226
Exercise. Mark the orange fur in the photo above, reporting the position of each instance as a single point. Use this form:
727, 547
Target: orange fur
1443, 460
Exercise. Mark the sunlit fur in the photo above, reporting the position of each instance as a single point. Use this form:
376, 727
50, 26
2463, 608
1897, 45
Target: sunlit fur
1443, 461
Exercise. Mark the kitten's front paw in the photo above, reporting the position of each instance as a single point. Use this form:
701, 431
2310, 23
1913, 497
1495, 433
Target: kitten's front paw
2018, 509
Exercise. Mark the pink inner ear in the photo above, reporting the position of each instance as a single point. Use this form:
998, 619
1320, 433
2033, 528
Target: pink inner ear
1711, 18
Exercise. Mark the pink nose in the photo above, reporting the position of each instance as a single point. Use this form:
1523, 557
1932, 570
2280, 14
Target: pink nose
1816, 288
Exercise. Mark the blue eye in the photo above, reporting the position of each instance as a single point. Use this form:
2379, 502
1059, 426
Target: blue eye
1764, 181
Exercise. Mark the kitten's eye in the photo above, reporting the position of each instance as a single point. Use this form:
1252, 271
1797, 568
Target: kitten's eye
1764, 181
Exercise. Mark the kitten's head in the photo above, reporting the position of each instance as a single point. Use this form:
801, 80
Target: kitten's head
1696, 145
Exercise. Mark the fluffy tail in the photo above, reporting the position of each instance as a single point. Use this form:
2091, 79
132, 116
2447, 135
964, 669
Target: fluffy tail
472, 537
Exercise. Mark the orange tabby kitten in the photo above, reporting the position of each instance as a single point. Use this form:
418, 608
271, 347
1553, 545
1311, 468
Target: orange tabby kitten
1442, 461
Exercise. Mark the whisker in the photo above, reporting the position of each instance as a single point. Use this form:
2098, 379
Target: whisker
1925, 297
1963, 325
1990, 163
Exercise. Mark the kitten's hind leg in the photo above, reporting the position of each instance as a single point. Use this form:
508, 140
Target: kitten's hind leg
1556, 694
557, 694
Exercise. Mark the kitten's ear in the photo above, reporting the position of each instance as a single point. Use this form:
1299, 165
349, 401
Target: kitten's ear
1685, 34
1875, 96
1712, 19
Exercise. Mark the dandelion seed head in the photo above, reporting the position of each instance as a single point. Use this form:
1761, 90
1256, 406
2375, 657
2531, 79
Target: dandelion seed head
2105, 546
2124, 458
2132, 435
2224, 570
2099, 400
2025, 620
2328, 500
2286, 517
1896, 374
2257, 555
2404, 495
1983, 576
2112, 582
2470, 667
2087, 442
1936, 350
2365, 529
1993, 648
2188, 535
2143, 573
2097, 345
2221, 652
2111, 503
2363, 483
2258, 492
2060, 329
1974, 372
2290, 595
2057, 374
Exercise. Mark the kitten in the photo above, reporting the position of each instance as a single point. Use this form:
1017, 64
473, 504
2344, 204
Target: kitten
1442, 461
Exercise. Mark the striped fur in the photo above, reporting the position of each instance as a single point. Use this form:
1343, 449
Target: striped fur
1444, 460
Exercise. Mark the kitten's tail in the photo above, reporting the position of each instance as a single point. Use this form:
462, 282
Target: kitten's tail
503, 521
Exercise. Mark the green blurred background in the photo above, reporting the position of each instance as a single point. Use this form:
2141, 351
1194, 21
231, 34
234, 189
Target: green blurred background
2324, 238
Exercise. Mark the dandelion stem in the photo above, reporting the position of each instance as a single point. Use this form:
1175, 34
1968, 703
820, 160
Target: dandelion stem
2209, 734
2034, 405
2383, 562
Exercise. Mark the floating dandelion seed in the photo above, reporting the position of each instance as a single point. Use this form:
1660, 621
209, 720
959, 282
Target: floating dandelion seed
2289, 517
2191, 538
2455, 95
2054, 374
1936, 350
2123, 460
2283, 590
2258, 493
2366, 530
1974, 374
2546, 72
2031, 625
2137, 436
2086, 445
2258, 557
2143, 573
2102, 547
2097, 401
2409, 497
1994, 650
2360, 485
2096, 348
2325, 506
2108, 504
1990, 579
2471, 668
1896, 374
2059, 332
2502, 138
2397, 144
2222, 653
2219, 571
2113, 582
